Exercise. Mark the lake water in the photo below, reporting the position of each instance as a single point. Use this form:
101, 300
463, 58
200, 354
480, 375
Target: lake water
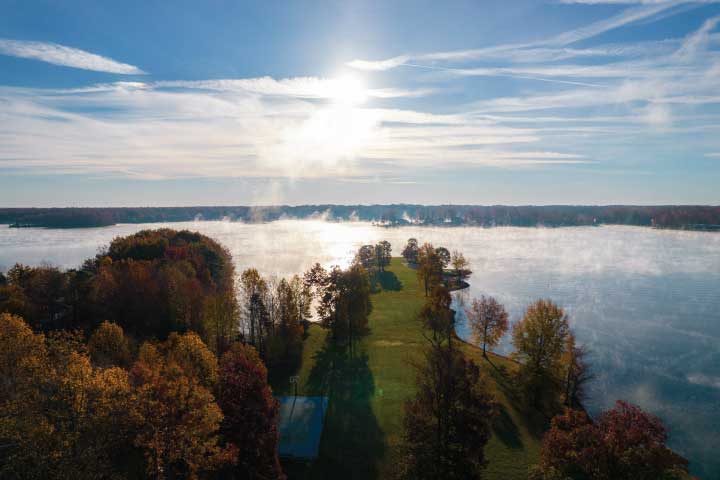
646, 302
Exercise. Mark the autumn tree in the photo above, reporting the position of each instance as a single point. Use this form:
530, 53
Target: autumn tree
460, 265
443, 256
275, 313
289, 335
39, 293
13, 300
159, 281
221, 314
177, 417
488, 321
59, 417
410, 252
254, 291
624, 443
302, 296
437, 318
366, 256
577, 373
383, 254
194, 358
540, 339
251, 414
109, 347
429, 267
343, 299
23, 357
447, 423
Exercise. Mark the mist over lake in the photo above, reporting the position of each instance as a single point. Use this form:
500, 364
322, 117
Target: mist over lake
646, 302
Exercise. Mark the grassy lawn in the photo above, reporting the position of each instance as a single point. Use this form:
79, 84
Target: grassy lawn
367, 390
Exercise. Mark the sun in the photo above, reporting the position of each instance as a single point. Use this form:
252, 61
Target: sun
347, 90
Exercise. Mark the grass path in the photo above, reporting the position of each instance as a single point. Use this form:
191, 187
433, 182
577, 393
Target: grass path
367, 390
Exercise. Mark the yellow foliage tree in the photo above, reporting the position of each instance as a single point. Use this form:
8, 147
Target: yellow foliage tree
177, 417
108, 346
540, 340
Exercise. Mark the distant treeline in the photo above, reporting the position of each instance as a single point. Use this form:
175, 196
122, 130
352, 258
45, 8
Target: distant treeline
689, 217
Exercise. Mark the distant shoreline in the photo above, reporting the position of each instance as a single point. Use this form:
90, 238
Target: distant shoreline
674, 217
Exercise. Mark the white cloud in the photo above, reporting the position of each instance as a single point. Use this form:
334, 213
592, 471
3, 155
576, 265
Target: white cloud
246, 127
378, 65
704, 380
713, 155
635, 2
698, 41
553, 46
65, 56
608, 98
626, 17
300, 87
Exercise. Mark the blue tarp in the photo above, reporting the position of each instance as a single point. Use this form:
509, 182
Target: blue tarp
301, 425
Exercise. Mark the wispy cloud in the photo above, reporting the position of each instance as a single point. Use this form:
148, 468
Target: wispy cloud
244, 127
65, 56
379, 65
634, 2
299, 87
566, 105
550, 46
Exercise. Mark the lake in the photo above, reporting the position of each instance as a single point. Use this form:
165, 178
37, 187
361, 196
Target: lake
646, 302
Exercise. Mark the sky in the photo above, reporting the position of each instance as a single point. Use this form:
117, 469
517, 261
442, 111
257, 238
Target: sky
140, 103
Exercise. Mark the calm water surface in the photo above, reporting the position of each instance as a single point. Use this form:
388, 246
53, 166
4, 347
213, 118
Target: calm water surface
646, 302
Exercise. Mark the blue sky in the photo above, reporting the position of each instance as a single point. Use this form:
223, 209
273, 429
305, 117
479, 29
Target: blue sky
181, 103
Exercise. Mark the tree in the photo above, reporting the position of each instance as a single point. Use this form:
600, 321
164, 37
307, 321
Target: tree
437, 317
429, 267
460, 265
344, 300
251, 414
156, 282
540, 341
23, 357
177, 417
108, 346
488, 321
303, 297
577, 373
624, 443
366, 256
188, 352
443, 256
447, 423
59, 417
410, 252
13, 300
254, 290
43, 289
289, 328
383, 254
221, 314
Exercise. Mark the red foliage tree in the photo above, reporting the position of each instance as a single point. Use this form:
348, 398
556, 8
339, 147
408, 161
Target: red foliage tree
251, 413
625, 443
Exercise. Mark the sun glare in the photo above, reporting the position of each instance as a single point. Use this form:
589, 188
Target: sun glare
348, 90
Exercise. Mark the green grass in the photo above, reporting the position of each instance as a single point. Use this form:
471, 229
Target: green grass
363, 430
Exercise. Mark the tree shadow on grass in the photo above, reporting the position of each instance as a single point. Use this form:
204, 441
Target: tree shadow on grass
387, 281
536, 421
506, 430
352, 443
